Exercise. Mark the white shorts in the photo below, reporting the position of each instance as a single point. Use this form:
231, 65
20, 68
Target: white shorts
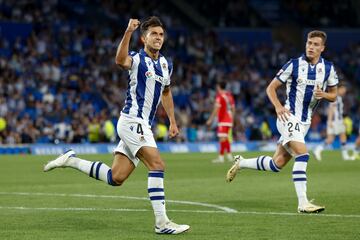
292, 130
134, 134
336, 128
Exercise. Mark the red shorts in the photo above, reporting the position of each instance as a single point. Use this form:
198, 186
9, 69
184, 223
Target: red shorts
223, 131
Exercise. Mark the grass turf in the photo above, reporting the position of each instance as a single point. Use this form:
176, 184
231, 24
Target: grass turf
66, 204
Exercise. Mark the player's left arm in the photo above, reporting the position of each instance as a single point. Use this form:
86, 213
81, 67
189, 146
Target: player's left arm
329, 95
331, 91
168, 104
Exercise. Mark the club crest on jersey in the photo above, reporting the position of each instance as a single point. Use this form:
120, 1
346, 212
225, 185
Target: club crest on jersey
164, 66
319, 70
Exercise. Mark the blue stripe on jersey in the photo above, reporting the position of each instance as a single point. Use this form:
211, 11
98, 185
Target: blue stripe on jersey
128, 101
141, 86
286, 66
157, 92
293, 86
308, 93
327, 70
326, 77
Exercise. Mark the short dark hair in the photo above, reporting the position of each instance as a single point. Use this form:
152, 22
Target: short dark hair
152, 21
222, 84
317, 33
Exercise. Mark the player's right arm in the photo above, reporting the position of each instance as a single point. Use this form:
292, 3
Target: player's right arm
122, 57
281, 112
213, 114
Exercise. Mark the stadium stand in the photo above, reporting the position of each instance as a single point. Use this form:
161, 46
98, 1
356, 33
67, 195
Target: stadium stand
59, 81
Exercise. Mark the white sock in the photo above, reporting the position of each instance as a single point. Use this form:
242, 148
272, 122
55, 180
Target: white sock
221, 158
299, 177
261, 163
97, 170
229, 156
344, 152
157, 196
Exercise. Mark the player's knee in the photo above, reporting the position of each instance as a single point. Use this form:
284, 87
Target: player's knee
118, 179
280, 162
157, 165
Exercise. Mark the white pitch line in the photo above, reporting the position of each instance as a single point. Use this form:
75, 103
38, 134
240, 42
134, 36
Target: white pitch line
222, 208
186, 211
101, 209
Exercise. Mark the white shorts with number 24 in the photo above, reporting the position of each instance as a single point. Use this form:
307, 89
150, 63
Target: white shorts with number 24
292, 130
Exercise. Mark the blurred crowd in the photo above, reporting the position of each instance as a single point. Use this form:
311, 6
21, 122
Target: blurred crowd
61, 83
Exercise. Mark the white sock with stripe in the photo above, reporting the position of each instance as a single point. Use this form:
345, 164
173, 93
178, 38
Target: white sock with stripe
299, 177
157, 196
97, 170
261, 163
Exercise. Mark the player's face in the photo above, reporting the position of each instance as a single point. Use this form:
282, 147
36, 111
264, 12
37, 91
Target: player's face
154, 38
314, 48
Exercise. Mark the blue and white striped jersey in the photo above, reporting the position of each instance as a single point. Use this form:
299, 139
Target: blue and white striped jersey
301, 78
338, 107
147, 80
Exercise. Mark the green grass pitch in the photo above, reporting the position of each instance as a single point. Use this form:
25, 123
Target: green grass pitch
66, 204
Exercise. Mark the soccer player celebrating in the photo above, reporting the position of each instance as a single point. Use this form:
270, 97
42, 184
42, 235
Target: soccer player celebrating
224, 108
149, 82
308, 79
335, 126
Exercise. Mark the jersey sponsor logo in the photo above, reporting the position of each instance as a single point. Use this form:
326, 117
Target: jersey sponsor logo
158, 78
302, 81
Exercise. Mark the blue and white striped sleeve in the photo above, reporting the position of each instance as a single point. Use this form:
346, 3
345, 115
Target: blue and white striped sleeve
170, 69
285, 72
333, 79
135, 59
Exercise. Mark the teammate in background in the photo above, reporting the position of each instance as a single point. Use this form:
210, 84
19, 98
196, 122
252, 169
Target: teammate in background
306, 79
149, 82
224, 109
335, 126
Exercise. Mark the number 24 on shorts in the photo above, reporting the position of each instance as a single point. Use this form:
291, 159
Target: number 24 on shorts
292, 127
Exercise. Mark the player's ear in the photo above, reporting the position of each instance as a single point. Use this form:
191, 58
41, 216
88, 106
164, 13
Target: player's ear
142, 38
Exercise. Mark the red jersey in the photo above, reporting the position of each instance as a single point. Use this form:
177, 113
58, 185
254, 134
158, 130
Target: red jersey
225, 101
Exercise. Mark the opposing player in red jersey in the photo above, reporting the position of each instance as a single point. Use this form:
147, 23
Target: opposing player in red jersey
224, 108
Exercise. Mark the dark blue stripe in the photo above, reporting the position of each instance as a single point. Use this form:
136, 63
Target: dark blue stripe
128, 101
302, 158
170, 67
157, 93
262, 163
110, 179
150, 190
170, 232
326, 77
298, 172
156, 174
308, 93
273, 166
141, 85
293, 85
327, 70
97, 170
257, 164
91, 169
157, 198
299, 179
